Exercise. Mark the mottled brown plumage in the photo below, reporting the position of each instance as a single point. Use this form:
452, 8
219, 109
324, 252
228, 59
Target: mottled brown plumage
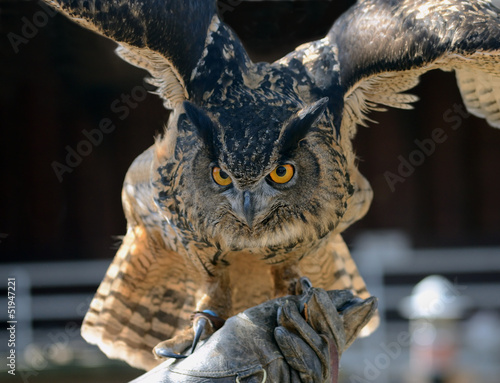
196, 243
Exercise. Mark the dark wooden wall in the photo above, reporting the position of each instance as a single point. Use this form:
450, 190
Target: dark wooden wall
65, 80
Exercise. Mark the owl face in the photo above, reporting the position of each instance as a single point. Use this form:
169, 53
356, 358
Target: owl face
272, 177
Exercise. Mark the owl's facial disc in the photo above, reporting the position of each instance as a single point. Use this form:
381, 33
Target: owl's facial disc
251, 203
262, 175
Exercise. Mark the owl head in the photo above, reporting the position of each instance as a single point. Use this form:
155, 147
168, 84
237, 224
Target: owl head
255, 175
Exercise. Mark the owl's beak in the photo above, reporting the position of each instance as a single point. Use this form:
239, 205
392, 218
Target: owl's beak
248, 208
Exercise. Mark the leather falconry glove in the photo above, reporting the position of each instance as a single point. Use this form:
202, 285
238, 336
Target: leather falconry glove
289, 339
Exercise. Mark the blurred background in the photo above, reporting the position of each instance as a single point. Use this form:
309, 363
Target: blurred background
60, 228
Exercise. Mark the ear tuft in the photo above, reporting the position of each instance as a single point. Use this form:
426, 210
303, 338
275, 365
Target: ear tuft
201, 121
313, 112
298, 127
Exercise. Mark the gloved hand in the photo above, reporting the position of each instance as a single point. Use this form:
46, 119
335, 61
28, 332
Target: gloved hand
312, 339
289, 339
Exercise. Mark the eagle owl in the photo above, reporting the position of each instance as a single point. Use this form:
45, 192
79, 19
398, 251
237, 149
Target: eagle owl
255, 177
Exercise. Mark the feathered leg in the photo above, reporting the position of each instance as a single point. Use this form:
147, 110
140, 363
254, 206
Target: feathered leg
214, 305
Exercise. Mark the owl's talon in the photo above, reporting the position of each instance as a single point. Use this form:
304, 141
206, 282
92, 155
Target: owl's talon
349, 303
175, 347
164, 353
205, 323
305, 285
199, 329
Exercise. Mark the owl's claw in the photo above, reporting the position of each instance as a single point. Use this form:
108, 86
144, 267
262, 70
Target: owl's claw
172, 348
305, 283
201, 325
164, 353
305, 287
349, 303
205, 323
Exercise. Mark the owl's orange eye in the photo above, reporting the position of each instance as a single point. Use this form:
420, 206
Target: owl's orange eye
282, 174
221, 177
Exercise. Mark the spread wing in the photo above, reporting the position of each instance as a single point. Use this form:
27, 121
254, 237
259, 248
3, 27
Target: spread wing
379, 48
385, 45
155, 35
